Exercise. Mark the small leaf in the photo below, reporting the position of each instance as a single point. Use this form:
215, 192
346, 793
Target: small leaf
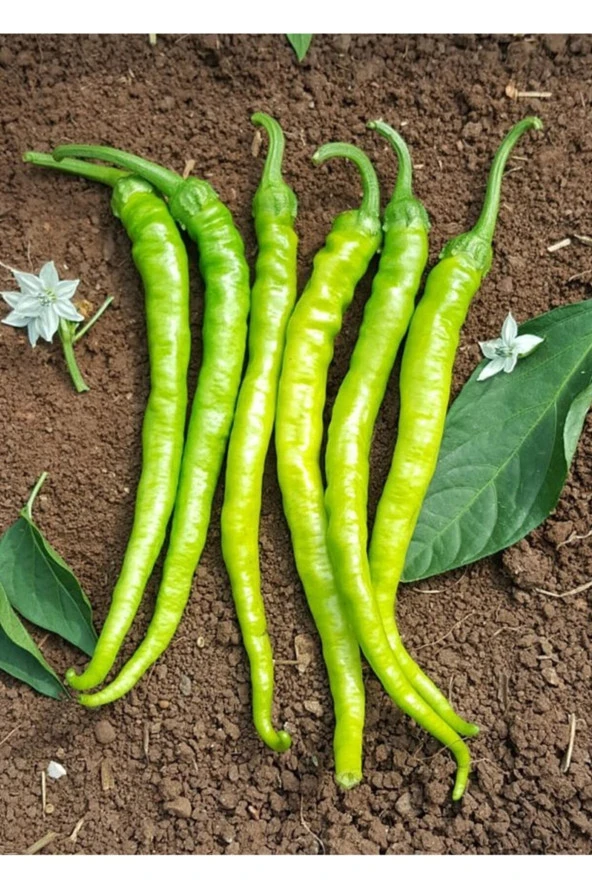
20, 656
300, 44
40, 585
507, 447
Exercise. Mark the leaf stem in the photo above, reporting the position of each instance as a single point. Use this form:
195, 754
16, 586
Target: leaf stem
28, 508
80, 333
66, 335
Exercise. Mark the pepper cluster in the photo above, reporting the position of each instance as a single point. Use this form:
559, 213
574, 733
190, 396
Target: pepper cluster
350, 586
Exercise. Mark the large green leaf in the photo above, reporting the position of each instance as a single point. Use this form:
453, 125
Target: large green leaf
41, 587
20, 656
507, 447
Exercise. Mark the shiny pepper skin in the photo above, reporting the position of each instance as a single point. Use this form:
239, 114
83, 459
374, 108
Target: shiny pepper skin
386, 317
317, 318
208, 222
161, 259
426, 376
272, 300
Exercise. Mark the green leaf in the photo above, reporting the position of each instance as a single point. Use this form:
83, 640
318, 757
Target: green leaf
507, 447
40, 585
300, 44
20, 656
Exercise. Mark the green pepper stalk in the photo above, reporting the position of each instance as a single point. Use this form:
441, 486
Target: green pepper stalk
272, 300
315, 322
161, 259
425, 381
196, 206
386, 317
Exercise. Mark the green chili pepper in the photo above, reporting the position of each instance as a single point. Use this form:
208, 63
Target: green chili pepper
161, 259
195, 204
425, 381
386, 318
317, 318
308, 353
272, 299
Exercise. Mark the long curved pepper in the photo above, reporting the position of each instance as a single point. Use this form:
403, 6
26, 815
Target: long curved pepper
386, 318
195, 204
317, 318
161, 259
425, 381
272, 299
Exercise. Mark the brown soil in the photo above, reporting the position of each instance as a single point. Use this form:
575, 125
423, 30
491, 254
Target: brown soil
188, 773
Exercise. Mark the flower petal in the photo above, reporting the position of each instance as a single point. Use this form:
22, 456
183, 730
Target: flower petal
66, 310
65, 289
48, 323
49, 276
490, 347
29, 305
510, 362
11, 298
509, 330
15, 319
29, 283
526, 343
33, 331
491, 369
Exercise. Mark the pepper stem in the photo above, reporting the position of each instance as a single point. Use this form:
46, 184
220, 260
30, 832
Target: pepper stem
404, 183
106, 175
165, 180
66, 335
485, 225
272, 171
28, 507
81, 332
370, 204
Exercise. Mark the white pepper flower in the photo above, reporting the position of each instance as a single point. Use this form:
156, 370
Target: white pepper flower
503, 353
41, 303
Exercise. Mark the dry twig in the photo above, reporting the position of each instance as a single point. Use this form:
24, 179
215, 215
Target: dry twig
308, 829
9, 735
513, 93
559, 245
77, 829
450, 631
574, 536
578, 275
575, 591
189, 167
566, 762
43, 793
41, 843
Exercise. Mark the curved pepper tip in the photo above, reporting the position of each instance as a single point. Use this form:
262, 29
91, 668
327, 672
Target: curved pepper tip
284, 741
71, 676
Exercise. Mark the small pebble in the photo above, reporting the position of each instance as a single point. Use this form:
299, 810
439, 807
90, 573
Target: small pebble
185, 685
180, 807
104, 732
55, 770
550, 676
314, 707
403, 804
